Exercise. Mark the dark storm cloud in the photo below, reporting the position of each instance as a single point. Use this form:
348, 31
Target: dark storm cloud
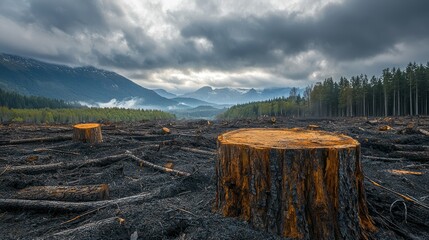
365, 28
350, 30
68, 16
284, 44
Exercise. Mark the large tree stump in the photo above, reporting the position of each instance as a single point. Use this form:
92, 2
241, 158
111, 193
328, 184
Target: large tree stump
65, 193
87, 132
296, 183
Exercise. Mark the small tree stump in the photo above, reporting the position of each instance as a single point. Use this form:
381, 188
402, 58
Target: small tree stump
87, 132
295, 183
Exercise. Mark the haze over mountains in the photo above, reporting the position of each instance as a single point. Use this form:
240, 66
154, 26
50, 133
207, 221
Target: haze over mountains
237, 95
102, 88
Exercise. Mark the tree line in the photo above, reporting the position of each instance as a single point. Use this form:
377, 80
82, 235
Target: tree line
16, 100
294, 105
395, 93
15, 107
79, 115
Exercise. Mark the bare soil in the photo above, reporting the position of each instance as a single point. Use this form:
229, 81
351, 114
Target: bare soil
182, 207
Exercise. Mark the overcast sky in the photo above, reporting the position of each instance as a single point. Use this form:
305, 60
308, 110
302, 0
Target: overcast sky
184, 45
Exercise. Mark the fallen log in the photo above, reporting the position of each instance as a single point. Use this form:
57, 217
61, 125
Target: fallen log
413, 156
404, 172
383, 159
406, 197
89, 230
405, 147
194, 150
38, 150
424, 132
61, 206
155, 137
36, 140
157, 167
65, 193
32, 169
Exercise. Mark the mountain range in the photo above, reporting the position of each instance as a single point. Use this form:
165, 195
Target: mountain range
233, 96
97, 87
83, 84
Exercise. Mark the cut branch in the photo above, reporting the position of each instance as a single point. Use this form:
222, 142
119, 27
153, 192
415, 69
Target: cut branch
413, 156
62, 165
38, 150
403, 147
384, 159
194, 150
71, 206
157, 167
424, 132
404, 196
93, 162
89, 230
34, 140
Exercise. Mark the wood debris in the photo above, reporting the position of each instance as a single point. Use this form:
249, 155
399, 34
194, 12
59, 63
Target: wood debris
385, 128
404, 172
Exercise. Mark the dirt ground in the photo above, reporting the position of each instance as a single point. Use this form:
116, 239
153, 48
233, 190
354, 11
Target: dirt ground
180, 207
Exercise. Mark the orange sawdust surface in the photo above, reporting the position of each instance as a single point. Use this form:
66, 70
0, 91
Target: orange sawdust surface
86, 125
286, 138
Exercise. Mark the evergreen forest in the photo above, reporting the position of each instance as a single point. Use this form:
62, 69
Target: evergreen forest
32, 109
396, 92
16, 100
80, 115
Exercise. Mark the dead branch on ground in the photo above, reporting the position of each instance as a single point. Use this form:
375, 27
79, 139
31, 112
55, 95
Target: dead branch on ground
157, 167
65, 165
194, 150
35, 140
384, 159
424, 132
38, 150
404, 196
90, 229
62, 206
413, 156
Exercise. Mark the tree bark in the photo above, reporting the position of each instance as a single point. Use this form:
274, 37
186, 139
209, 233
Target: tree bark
295, 183
65, 193
87, 132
